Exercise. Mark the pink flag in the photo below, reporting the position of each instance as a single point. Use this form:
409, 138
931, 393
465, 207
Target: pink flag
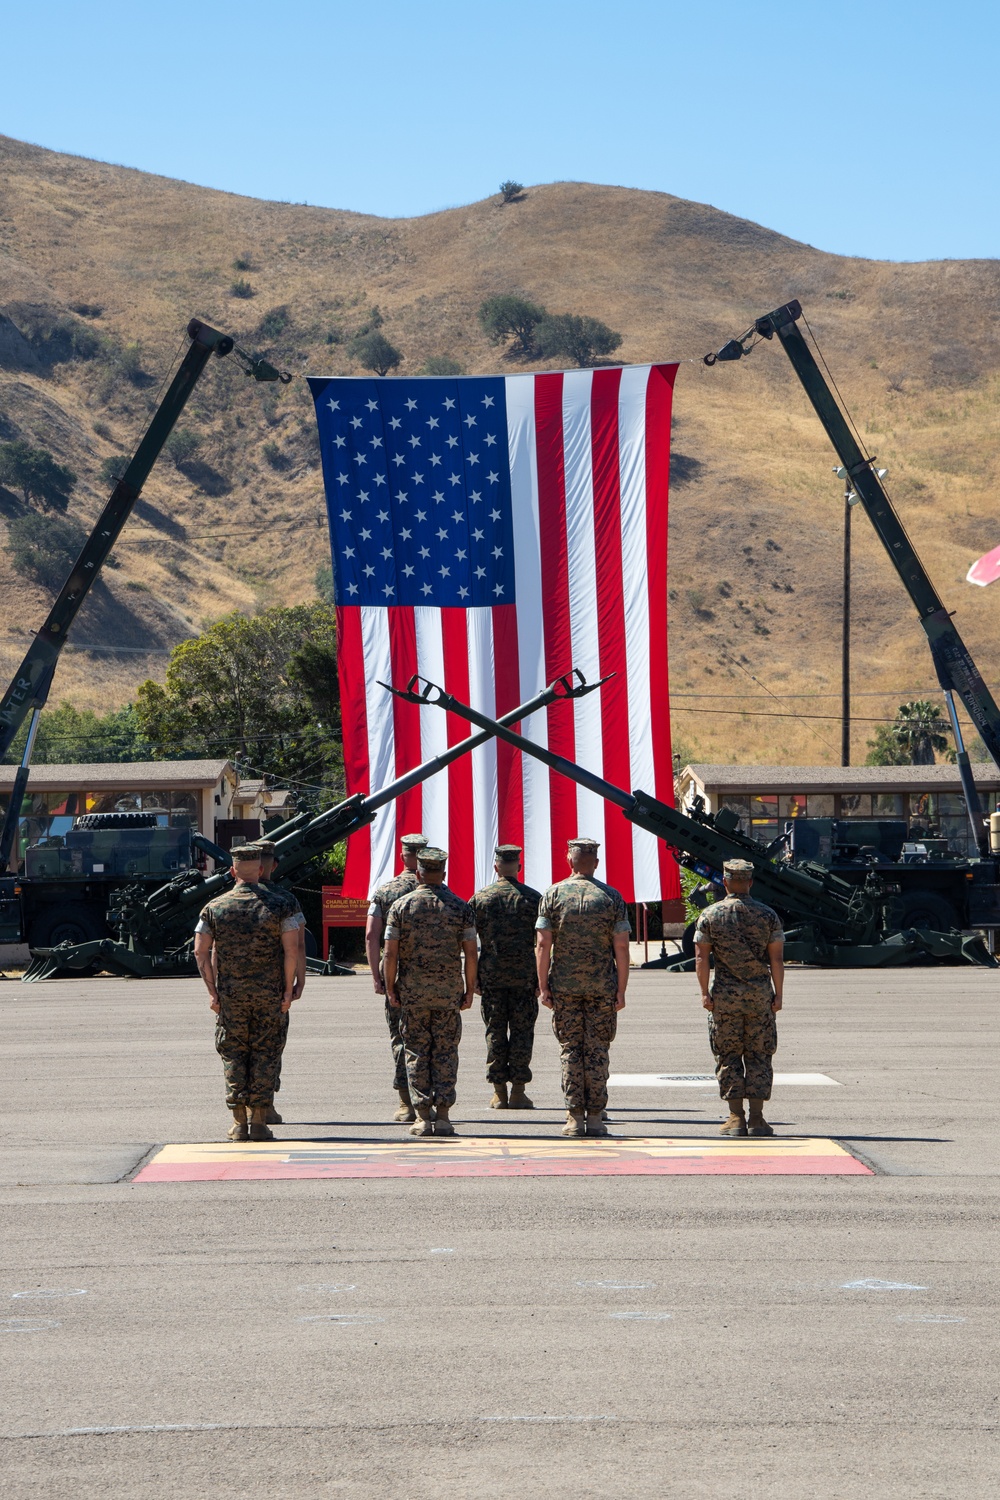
985, 569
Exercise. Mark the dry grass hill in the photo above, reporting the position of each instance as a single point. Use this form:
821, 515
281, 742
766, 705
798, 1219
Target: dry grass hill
756, 512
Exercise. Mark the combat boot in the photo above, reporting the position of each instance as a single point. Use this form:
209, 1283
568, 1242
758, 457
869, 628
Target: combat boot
595, 1122
273, 1118
499, 1100
405, 1114
442, 1124
258, 1124
422, 1125
575, 1122
758, 1125
238, 1129
735, 1125
518, 1098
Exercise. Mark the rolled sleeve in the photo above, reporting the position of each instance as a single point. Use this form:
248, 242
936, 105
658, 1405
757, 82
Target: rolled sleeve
392, 933
374, 910
290, 924
203, 926
468, 934
625, 926
542, 924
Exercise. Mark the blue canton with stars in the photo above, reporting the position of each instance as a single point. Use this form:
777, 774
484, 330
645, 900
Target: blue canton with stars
418, 490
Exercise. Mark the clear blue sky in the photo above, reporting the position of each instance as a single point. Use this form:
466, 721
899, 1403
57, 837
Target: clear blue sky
865, 127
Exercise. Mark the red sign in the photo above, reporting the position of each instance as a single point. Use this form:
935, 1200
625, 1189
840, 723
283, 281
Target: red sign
342, 911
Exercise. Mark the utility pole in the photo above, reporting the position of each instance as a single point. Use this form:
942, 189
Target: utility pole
845, 646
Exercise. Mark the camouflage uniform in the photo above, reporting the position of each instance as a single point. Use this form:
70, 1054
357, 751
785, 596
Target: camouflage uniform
505, 914
298, 917
247, 923
583, 915
742, 1029
430, 924
382, 900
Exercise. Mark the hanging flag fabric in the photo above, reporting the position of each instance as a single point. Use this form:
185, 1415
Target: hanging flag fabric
490, 533
985, 569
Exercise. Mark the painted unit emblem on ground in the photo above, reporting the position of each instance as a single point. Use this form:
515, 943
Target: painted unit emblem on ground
495, 1157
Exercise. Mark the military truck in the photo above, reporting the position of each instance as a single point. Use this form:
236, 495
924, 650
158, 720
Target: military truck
66, 887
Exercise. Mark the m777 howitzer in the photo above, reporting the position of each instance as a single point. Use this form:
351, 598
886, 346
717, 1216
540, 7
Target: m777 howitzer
155, 931
828, 922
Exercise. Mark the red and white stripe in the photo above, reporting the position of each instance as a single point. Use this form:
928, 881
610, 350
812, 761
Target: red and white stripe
589, 455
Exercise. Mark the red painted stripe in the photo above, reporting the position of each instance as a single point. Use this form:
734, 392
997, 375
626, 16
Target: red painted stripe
556, 630
461, 877
617, 852
354, 717
507, 678
405, 720
659, 395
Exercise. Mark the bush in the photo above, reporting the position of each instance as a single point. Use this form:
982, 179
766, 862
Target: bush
54, 338
44, 547
373, 351
440, 364
126, 362
181, 446
243, 262
102, 429
507, 316
241, 288
582, 340
324, 584
275, 457
36, 474
86, 309
273, 323
113, 468
510, 190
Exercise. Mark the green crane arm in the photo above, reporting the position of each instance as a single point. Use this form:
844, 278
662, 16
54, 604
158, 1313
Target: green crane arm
953, 663
29, 689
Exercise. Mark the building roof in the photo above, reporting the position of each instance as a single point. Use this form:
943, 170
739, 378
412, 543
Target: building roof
837, 778
128, 775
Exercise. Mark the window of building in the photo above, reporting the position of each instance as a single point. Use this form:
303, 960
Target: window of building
792, 806
764, 829
923, 806
736, 804
821, 804
764, 805
888, 805
855, 804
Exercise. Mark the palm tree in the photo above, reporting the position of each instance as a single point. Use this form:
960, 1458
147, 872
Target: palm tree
918, 730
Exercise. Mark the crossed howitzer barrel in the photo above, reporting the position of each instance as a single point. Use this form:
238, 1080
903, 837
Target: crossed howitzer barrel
829, 921
155, 929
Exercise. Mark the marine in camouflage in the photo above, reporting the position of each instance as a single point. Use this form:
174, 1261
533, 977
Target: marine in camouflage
742, 1029
583, 915
381, 901
430, 924
431, 1035
246, 924
505, 914
297, 914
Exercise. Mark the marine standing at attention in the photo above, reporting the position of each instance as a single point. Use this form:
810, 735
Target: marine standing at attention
382, 899
268, 861
505, 914
430, 938
582, 956
745, 939
246, 947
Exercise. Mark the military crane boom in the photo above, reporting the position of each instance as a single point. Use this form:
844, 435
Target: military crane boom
956, 671
831, 922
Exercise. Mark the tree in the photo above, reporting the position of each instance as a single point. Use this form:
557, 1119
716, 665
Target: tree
260, 690
373, 351
440, 364
182, 445
36, 474
510, 190
912, 739
507, 316
44, 547
564, 335
324, 583
69, 736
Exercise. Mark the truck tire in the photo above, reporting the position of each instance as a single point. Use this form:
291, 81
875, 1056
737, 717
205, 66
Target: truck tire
925, 909
100, 821
71, 922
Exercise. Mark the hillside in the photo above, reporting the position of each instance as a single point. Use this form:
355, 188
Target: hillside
756, 512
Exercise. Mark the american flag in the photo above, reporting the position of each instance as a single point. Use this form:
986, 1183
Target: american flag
490, 533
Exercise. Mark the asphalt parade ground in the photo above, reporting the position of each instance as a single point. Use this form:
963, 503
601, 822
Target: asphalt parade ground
624, 1318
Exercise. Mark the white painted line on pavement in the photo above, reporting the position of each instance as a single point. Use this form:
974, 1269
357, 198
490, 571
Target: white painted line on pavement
50, 1292
641, 1317
698, 1080
28, 1325
619, 1286
872, 1284
328, 1286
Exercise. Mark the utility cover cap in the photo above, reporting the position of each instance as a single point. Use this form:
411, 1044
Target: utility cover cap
413, 841
738, 869
248, 852
587, 846
432, 859
267, 848
508, 852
